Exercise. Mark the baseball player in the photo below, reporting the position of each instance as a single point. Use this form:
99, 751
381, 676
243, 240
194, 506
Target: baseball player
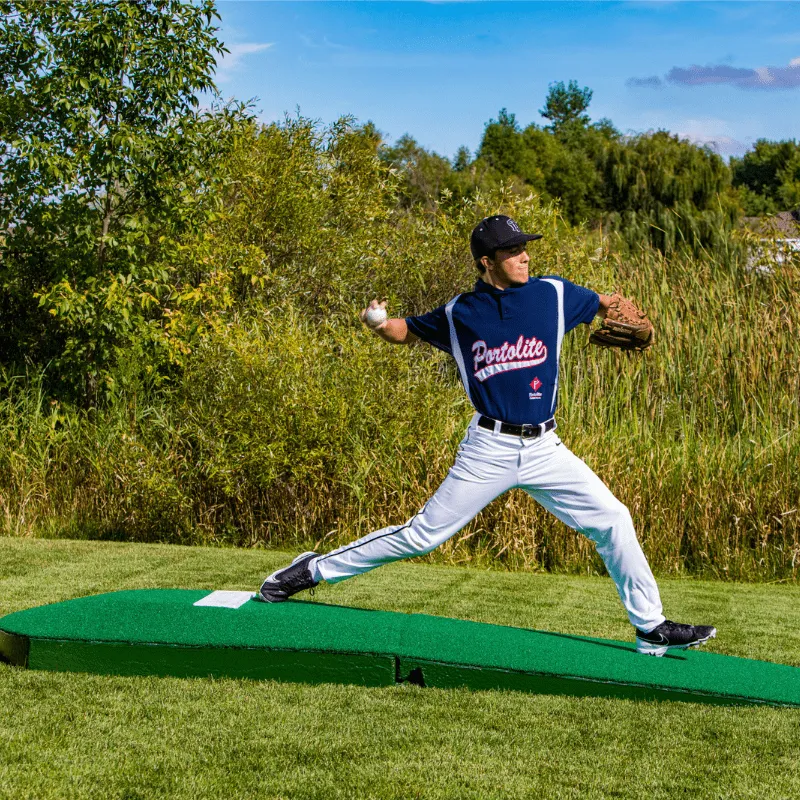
505, 337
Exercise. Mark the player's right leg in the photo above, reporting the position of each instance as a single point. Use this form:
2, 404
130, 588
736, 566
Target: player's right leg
485, 467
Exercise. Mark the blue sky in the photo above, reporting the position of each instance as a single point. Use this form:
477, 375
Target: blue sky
725, 73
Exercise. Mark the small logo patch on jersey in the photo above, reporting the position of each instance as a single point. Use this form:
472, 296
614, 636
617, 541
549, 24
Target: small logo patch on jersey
535, 384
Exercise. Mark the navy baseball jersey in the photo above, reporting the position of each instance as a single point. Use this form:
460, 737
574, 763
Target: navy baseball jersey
506, 343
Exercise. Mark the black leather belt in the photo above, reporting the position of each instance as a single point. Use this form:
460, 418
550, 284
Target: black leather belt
525, 431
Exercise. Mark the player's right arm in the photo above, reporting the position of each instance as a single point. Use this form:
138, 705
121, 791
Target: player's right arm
394, 330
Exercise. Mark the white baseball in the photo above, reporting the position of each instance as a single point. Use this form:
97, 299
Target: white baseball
375, 316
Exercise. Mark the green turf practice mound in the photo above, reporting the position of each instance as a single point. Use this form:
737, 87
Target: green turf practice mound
228, 634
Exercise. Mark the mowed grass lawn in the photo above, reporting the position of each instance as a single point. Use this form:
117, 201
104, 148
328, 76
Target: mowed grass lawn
83, 736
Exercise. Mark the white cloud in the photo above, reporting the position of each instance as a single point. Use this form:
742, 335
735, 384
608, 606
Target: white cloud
724, 145
795, 62
232, 61
764, 75
712, 132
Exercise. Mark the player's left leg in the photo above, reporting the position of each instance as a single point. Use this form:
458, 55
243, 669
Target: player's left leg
558, 480
563, 484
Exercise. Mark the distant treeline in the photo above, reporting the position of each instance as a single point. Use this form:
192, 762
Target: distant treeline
652, 186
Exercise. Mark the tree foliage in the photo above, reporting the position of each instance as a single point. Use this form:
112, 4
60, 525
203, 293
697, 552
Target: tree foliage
135, 224
768, 177
107, 163
423, 174
668, 191
655, 188
300, 197
565, 106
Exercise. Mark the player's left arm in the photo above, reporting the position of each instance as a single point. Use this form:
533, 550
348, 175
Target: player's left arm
605, 302
624, 325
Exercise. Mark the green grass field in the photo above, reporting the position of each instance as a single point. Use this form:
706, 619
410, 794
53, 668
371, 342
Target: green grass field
76, 736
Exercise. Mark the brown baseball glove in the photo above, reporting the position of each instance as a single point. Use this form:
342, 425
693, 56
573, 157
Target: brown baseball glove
624, 326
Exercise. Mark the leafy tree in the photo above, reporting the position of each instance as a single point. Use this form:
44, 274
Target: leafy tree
768, 177
424, 174
462, 159
754, 204
299, 197
107, 163
606, 128
502, 146
564, 105
789, 192
668, 191
555, 163
576, 175
655, 188
558, 169
503, 156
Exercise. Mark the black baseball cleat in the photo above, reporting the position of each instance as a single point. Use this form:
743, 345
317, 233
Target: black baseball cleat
672, 636
283, 583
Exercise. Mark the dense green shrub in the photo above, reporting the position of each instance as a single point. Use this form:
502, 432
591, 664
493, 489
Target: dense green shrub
107, 163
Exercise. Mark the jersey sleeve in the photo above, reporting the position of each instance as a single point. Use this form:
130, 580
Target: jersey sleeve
433, 328
580, 304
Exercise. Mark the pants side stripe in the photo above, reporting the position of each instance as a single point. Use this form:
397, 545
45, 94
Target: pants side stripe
375, 539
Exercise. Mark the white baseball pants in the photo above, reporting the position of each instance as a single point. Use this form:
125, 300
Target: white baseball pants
487, 465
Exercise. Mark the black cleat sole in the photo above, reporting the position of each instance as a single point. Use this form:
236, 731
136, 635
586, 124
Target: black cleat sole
658, 650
